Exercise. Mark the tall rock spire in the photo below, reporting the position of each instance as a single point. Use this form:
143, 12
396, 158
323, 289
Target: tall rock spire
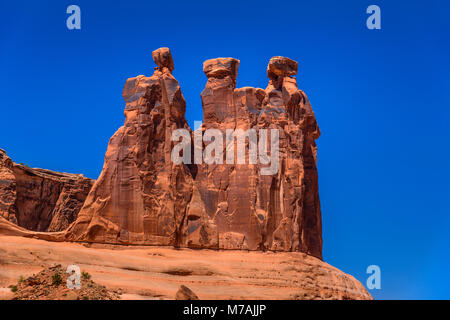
141, 196
251, 210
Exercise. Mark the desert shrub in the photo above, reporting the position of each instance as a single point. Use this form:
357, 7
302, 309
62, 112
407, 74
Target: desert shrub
14, 288
85, 275
56, 279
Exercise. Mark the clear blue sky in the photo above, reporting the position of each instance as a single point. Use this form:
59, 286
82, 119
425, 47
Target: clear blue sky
381, 99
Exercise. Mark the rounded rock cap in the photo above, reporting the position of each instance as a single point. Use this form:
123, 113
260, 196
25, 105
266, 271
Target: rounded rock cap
221, 67
281, 67
163, 58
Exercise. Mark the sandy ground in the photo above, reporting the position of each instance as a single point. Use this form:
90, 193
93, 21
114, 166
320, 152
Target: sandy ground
157, 272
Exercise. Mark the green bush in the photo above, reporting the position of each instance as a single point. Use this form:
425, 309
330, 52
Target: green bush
85, 275
14, 288
56, 279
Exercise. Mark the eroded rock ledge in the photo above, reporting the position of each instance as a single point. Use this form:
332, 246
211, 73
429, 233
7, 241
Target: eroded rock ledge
39, 199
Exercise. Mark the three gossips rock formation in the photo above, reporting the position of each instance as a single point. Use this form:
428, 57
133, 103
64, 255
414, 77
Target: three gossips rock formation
143, 197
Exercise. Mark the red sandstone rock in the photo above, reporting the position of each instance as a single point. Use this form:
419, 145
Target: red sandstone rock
281, 67
184, 293
211, 274
7, 188
38, 199
221, 67
142, 197
250, 210
163, 59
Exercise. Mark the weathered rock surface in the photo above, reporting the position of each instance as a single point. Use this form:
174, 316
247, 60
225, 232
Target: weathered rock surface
251, 210
142, 272
8, 193
142, 197
38, 199
184, 293
51, 284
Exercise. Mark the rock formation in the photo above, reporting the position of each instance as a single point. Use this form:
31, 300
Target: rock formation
252, 210
184, 293
157, 272
7, 188
142, 197
38, 199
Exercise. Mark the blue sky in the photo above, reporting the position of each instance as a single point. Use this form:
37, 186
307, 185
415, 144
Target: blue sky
381, 99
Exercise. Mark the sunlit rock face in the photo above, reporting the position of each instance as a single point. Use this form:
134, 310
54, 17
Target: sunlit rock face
251, 210
38, 199
143, 197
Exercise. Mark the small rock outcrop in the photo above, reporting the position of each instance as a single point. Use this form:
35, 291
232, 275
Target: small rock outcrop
51, 284
143, 197
38, 199
184, 293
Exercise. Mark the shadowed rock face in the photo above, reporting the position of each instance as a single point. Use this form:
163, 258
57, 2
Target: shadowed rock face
38, 199
142, 197
8, 186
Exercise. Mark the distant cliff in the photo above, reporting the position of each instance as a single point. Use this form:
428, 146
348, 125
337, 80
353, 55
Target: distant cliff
38, 199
